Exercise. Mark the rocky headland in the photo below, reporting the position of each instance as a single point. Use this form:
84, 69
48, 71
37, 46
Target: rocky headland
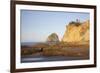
75, 42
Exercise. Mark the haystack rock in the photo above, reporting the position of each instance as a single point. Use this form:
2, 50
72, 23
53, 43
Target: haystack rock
53, 38
77, 32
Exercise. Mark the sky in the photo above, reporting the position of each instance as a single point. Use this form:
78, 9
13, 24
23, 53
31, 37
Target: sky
37, 25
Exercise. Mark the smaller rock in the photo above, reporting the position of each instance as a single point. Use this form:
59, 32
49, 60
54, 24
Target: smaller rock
53, 38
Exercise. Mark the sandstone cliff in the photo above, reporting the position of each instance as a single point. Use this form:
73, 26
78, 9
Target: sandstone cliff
77, 32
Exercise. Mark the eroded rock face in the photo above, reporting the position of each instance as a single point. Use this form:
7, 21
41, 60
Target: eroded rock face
77, 33
53, 38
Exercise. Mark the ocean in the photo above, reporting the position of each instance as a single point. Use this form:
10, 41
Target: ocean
31, 58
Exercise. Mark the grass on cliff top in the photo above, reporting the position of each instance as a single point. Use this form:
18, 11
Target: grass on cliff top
75, 23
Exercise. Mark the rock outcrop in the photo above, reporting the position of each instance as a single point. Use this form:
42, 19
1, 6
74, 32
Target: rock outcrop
75, 42
53, 38
77, 32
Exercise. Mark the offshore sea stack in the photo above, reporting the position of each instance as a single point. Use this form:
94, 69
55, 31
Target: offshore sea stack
53, 38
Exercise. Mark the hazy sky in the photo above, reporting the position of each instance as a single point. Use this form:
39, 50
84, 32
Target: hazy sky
36, 26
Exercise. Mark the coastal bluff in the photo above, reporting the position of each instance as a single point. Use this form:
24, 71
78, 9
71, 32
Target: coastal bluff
77, 32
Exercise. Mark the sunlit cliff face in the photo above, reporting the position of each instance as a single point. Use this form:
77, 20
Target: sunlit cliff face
77, 33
